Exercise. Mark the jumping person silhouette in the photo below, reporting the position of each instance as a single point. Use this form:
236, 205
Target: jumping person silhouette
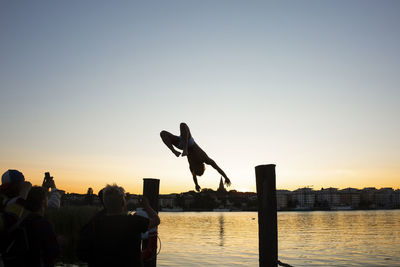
195, 155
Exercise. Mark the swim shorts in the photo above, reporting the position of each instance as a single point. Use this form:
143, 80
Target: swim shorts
190, 142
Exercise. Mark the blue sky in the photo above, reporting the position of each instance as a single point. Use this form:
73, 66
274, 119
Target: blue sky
312, 86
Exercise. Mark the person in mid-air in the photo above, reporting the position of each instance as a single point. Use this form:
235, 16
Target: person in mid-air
195, 155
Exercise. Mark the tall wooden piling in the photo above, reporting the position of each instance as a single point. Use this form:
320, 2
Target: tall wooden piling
151, 188
267, 216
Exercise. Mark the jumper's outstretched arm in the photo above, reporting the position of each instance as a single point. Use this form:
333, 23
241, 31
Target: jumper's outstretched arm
211, 162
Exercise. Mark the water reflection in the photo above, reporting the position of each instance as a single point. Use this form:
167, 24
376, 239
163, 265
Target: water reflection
221, 230
342, 238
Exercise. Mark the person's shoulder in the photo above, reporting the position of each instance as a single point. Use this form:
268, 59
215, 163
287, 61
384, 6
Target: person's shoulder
99, 215
141, 223
136, 217
96, 219
107, 219
138, 220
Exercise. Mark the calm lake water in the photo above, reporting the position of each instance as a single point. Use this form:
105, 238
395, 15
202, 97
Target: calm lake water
337, 238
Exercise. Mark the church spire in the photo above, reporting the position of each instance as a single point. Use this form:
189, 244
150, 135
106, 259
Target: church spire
221, 187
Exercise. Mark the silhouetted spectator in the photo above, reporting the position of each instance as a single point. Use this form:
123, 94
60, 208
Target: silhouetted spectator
102, 212
115, 239
89, 197
130, 202
85, 243
43, 247
13, 192
100, 195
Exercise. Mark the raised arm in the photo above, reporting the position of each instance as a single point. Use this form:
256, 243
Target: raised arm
154, 220
54, 199
195, 182
211, 162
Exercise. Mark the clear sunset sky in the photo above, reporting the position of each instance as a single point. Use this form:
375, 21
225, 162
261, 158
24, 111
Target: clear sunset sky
311, 86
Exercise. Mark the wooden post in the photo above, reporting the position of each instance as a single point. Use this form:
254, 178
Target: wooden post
267, 216
151, 189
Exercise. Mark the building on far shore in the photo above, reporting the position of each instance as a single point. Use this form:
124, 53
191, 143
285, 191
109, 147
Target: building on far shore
328, 197
282, 199
167, 201
300, 199
368, 197
304, 198
383, 197
396, 199
350, 197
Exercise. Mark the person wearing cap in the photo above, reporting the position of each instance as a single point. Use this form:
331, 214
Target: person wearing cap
43, 248
13, 192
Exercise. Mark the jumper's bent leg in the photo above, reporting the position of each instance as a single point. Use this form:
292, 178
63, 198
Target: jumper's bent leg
185, 135
168, 140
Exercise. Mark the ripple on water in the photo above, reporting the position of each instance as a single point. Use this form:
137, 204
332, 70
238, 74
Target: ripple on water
340, 238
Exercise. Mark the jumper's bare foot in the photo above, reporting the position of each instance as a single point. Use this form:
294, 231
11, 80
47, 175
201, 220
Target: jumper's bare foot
227, 182
184, 153
177, 153
198, 188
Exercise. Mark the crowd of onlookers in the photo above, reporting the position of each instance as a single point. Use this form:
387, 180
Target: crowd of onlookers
111, 238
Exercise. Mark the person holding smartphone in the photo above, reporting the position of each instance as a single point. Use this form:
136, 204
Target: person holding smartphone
54, 197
